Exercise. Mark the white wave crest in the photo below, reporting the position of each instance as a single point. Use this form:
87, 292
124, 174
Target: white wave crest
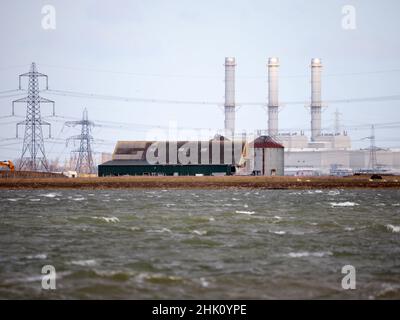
245, 212
393, 228
200, 232
309, 254
108, 219
84, 263
279, 232
343, 204
50, 195
40, 256
163, 230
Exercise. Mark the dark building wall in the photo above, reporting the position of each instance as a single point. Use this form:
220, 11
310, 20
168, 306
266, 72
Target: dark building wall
182, 170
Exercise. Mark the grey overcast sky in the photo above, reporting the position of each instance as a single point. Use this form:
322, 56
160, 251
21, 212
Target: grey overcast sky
175, 50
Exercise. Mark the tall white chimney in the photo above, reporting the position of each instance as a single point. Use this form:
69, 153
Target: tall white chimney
230, 65
316, 104
273, 96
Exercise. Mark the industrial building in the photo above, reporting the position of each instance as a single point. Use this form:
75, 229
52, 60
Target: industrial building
173, 158
268, 157
297, 140
222, 155
218, 156
325, 161
322, 153
275, 153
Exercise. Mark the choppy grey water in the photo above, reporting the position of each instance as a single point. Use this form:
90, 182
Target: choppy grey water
140, 244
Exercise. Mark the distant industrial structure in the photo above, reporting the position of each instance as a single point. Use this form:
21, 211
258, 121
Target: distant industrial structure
273, 96
172, 158
289, 153
33, 156
218, 156
323, 153
222, 155
270, 152
230, 64
318, 140
84, 162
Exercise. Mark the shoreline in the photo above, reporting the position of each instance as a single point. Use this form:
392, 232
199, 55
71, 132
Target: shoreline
204, 182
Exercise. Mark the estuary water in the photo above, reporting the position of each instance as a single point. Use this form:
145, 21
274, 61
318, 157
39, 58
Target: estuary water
205, 244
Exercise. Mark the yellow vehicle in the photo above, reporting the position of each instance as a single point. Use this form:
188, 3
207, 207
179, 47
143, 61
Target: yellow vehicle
7, 164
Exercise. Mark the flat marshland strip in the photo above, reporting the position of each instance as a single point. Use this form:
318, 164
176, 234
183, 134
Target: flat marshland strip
203, 182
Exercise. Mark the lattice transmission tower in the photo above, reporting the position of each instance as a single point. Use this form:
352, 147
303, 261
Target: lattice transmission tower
372, 150
84, 163
337, 121
33, 156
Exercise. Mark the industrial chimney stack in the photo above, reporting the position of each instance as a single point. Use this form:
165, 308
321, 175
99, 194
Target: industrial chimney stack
273, 99
230, 65
316, 67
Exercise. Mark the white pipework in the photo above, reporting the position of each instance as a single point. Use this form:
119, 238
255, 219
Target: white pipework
230, 65
273, 96
316, 104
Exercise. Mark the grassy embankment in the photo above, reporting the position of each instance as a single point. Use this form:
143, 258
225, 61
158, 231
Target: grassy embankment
190, 182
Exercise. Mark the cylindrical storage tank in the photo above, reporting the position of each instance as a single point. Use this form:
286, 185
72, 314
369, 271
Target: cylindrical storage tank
273, 96
316, 103
230, 65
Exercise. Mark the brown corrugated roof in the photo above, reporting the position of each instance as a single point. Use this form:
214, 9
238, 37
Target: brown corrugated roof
217, 148
266, 142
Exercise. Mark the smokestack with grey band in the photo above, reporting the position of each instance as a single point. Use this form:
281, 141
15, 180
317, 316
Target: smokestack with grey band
273, 96
316, 104
230, 65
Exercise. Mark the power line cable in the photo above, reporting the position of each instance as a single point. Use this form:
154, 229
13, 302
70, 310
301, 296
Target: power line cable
134, 126
127, 99
213, 103
11, 90
136, 74
14, 67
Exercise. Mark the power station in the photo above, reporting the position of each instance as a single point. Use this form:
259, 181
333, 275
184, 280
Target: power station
322, 153
274, 152
217, 156
224, 154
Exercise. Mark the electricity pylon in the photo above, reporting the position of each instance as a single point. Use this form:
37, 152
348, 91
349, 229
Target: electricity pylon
85, 163
372, 150
337, 121
33, 156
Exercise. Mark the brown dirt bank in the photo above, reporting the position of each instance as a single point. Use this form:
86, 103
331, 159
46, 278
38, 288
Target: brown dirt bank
140, 182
